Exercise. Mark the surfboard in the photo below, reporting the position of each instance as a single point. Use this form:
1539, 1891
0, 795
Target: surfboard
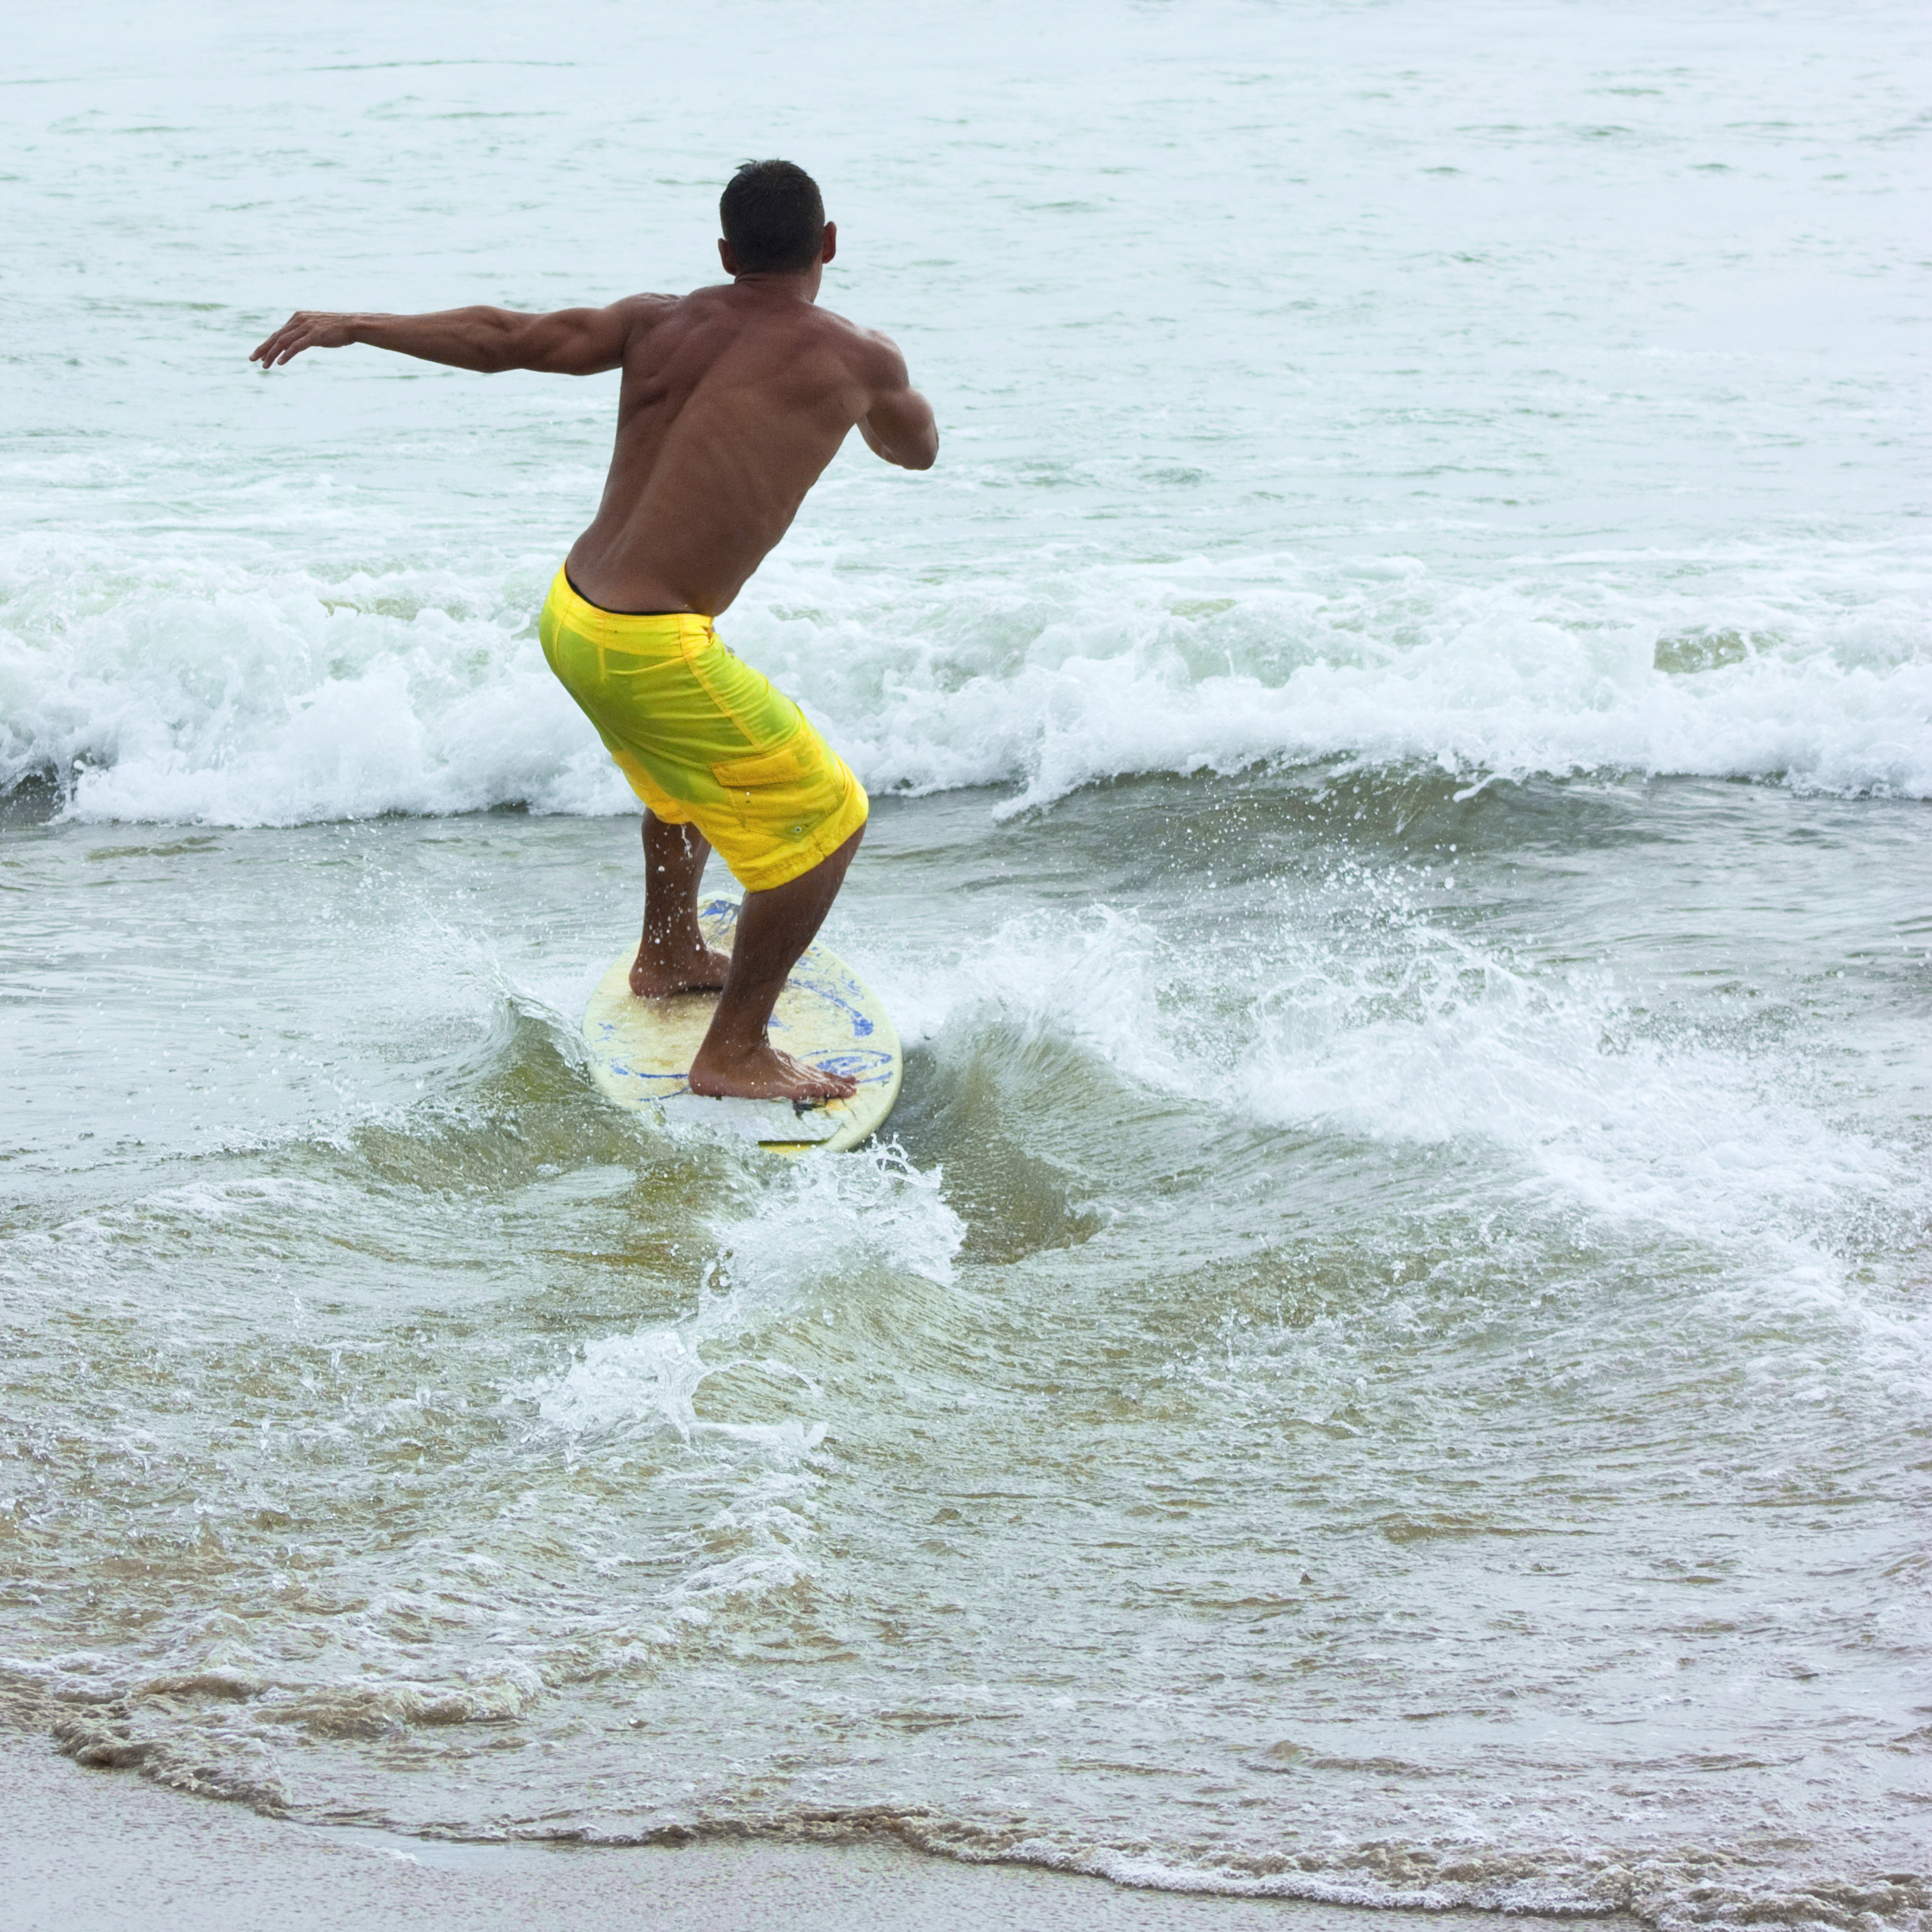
641, 1049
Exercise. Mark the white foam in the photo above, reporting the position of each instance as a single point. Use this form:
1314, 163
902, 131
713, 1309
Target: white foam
205, 693
821, 1222
192, 691
1823, 680
1681, 1135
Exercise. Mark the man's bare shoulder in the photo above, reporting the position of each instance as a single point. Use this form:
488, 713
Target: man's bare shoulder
646, 310
871, 353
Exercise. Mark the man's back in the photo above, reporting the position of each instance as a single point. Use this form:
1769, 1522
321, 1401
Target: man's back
734, 400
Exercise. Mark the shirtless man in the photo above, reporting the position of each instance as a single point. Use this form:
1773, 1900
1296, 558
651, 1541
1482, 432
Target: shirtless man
734, 400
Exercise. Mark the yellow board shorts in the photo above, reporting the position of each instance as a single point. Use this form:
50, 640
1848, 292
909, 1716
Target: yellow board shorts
703, 739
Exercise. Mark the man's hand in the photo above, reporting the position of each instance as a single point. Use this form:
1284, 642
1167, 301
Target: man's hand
306, 329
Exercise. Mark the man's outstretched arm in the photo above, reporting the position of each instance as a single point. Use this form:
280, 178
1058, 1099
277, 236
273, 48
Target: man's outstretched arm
573, 342
899, 426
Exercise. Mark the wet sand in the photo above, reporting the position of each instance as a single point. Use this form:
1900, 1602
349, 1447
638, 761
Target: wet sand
86, 1849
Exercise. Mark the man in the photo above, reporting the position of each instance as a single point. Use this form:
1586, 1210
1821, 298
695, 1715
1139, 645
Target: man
733, 402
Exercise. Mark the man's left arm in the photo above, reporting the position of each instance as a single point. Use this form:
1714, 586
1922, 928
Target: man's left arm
570, 342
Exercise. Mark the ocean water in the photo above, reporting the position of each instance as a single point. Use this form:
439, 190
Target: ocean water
1386, 1355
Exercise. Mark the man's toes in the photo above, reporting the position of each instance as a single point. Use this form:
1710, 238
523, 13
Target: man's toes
813, 1083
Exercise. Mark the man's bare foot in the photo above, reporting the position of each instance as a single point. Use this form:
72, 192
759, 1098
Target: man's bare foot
762, 1073
659, 971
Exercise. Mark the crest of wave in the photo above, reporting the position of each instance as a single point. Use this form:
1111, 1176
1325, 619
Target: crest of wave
1820, 676
200, 691
191, 690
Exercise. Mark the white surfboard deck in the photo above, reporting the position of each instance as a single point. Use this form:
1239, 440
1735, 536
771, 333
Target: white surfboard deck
641, 1049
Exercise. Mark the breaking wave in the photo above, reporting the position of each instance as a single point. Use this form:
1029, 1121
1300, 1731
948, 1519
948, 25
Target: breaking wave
210, 693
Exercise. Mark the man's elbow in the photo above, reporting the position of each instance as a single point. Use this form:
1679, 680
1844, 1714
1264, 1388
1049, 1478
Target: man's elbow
526, 343
496, 353
923, 454
496, 342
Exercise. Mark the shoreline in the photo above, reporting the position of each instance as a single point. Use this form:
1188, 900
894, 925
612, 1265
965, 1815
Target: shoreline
90, 1848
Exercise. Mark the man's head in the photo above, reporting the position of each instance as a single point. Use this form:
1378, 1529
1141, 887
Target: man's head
774, 221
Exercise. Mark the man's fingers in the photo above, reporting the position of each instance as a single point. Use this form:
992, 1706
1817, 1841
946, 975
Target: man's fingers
271, 347
287, 343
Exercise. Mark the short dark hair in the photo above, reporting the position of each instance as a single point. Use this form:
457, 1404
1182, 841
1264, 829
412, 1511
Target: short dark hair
773, 218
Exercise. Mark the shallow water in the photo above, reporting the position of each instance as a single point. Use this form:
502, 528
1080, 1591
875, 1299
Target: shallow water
1386, 1356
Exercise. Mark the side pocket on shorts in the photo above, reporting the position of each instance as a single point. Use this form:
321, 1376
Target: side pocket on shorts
791, 763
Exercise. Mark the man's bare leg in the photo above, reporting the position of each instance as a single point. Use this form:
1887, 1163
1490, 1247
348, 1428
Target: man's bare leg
774, 928
673, 957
